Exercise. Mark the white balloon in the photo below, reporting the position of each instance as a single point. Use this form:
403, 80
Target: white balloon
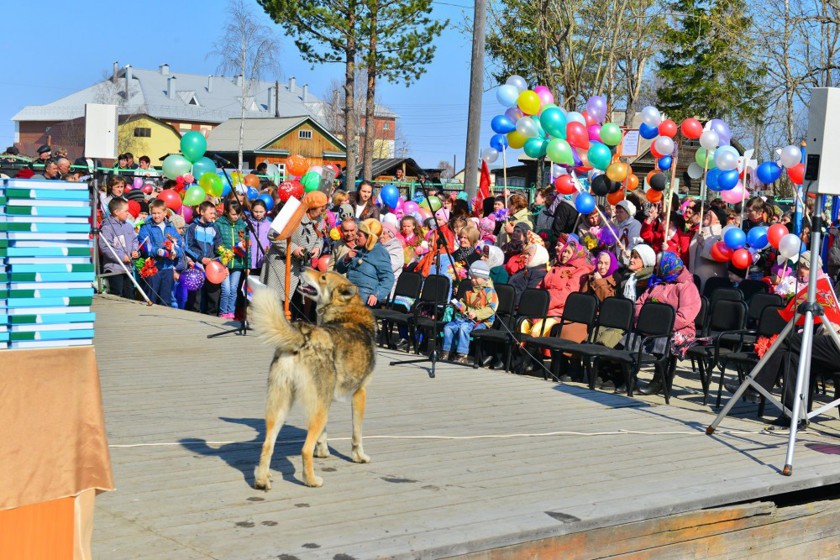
518, 82
490, 155
527, 127
694, 170
576, 117
726, 158
709, 139
664, 145
789, 245
790, 156
651, 116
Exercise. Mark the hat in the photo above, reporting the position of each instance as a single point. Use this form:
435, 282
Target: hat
389, 227
390, 219
628, 206
442, 214
364, 227
315, 199
135, 194
12, 151
805, 259
177, 221
479, 269
646, 253
44, 149
720, 213
144, 206
345, 211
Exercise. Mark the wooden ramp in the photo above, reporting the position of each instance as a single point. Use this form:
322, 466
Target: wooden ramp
473, 462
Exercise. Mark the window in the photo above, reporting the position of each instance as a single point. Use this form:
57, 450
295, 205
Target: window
386, 126
142, 132
305, 134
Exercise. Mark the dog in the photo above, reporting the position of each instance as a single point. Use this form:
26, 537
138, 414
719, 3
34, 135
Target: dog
315, 364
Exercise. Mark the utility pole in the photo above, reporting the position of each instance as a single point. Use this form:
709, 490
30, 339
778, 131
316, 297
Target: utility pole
476, 90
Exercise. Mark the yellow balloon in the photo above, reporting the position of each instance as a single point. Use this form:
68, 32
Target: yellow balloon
617, 171
236, 178
515, 140
529, 102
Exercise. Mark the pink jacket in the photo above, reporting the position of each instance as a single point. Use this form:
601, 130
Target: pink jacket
562, 280
682, 295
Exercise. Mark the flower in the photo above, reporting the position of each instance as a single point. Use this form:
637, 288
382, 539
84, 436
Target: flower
225, 255
335, 235
763, 344
148, 268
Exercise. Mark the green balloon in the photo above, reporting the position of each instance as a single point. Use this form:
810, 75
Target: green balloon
310, 181
700, 158
175, 165
610, 134
600, 156
559, 151
553, 121
435, 204
535, 147
193, 145
194, 196
212, 184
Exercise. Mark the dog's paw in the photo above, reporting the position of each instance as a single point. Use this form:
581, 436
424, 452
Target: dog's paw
263, 484
314, 482
321, 451
360, 457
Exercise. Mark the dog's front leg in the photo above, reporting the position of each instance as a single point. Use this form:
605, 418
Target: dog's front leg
317, 426
359, 402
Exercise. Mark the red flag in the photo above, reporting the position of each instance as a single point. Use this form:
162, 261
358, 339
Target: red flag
483, 189
825, 297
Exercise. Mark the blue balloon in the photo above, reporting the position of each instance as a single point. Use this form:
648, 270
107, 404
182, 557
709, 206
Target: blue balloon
584, 203
252, 193
225, 190
728, 179
768, 172
648, 132
712, 176
498, 142
735, 238
757, 237
665, 162
202, 166
390, 196
269, 202
502, 125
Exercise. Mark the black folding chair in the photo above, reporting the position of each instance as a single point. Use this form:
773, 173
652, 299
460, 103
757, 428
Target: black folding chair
729, 294
408, 285
751, 288
502, 324
715, 283
427, 324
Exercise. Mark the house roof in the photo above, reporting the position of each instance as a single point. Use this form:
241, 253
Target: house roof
383, 166
197, 98
259, 133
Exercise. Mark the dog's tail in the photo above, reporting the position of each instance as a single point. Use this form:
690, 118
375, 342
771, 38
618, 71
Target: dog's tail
269, 320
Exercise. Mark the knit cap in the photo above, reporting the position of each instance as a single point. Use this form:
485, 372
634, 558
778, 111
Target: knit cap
479, 269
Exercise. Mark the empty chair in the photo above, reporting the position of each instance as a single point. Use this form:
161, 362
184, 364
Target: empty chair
713, 284
752, 287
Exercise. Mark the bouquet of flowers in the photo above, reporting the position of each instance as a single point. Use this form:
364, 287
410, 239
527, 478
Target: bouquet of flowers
146, 267
501, 215
225, 255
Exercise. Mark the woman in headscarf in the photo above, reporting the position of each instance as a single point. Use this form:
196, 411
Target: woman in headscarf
494, 258
640, 267
603, 280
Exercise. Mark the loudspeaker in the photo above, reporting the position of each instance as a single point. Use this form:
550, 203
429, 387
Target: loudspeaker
100, 131
822, 160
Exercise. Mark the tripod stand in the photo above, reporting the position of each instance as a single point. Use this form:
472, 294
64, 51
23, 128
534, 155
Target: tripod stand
811, 310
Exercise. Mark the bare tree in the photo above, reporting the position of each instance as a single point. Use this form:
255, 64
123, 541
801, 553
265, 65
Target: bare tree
446, 170
248, 49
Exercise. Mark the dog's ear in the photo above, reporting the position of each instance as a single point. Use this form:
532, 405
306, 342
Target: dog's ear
346, 292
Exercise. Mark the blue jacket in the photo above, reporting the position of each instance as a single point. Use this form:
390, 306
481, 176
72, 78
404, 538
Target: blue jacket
202, 240
370, 271
153, 238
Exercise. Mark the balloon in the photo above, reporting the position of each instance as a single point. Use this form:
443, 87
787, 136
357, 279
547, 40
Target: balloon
193, 279
596, 106
187, 213
574, 116
712, 177
502, 125
768, 172
735, 238
733, 195
215, 272
588, 120
665, 163
664, 145
726, 158
170, 198
601, 185
790, 156
789, 245
137, 183
513, 114
518, 82
577, 135
498, 142
616, 197
691, 128
584, 203
611, 134
668, 128
175, 165
194, 196
202, 166
632, 182
236, 177
515, 140
797, 173
251, 180
311, 181
276, 177
266, 198
410, 207
559, 151
193, 145
599, 155
507, 95
720, 252
565, 184
544, 94
529, 102
252, 193
757, 237
694, 170
297, 165
323, 263
288, 189
648, 132
775, 234
653, 196
553, 122
658, 182
211, 184
148, 189
617, 171
226, 189
490, 155
722, 130
705, 158
435, 202
727, 180
741, 259
651, 116
535, 147
709, 139
594, 132
390, 196
526, 127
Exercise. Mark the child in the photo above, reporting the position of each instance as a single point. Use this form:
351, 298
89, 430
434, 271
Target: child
476, 311
202, 242
119, 234
162, 243
180, 226
235, 241
260, 225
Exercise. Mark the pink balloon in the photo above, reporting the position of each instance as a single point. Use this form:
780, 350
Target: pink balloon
594, 132
215, 272
138, 182
733, 195
424, 214
400, 203
147, 189
187, 213
410, 207
544, 94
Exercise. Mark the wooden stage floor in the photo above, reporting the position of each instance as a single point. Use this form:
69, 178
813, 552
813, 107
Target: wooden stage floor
470, 461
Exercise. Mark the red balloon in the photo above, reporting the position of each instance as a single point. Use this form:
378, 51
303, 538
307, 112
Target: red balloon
668, 128
653, 196
590, 121
775, 234
720, 252
741, 259
323, 262
288, 189
655, 152
171, 198
577, 135
215, 272
797, 173
565, 185
691, 128
147, 188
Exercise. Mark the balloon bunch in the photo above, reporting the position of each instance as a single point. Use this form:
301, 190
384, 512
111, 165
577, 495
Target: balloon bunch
739, 248
790, 160
185, 168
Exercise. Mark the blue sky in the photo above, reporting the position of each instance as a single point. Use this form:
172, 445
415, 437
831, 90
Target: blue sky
64, 47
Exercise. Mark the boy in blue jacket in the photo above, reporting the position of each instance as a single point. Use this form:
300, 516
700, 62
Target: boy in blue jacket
202, 242
118, 244
161, 242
